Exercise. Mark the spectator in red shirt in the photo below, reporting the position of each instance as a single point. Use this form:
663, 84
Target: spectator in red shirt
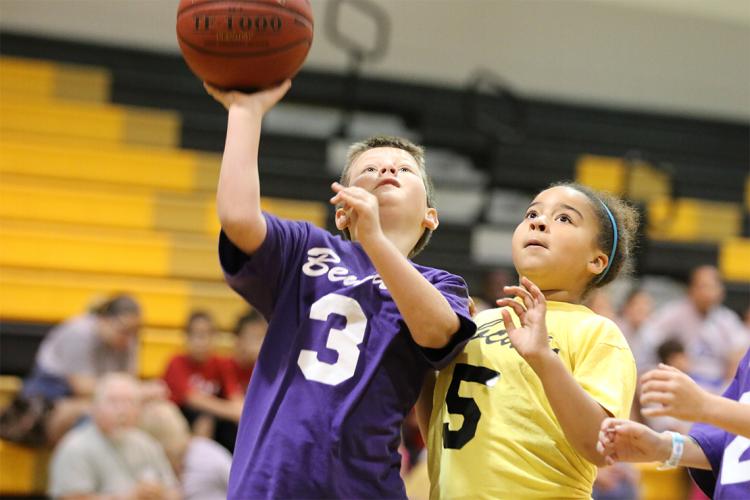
203, 386
250, 331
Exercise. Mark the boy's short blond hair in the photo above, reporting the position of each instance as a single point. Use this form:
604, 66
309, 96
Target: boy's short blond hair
417, 152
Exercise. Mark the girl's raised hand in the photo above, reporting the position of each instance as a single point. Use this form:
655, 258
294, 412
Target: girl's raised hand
531, 339
260, 101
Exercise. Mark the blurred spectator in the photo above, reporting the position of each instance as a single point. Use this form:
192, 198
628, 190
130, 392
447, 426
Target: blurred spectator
69, 360
616, 482
713, 335
108, 455
201, 465
634, 313
671, 352
250, 331
202, 384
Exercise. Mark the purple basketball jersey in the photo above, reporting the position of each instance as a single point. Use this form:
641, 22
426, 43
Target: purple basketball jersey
337, 372
729, 454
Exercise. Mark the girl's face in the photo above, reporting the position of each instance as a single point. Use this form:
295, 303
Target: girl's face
555, 245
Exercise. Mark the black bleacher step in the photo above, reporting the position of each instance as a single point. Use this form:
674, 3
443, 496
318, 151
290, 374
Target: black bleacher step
640, 130
676, 259
19, 342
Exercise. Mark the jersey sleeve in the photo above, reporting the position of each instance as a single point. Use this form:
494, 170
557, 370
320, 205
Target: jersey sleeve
258, 277
604, 366
455, 291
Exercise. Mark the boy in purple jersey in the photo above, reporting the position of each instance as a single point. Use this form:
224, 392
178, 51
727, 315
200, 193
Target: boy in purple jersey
717, 450
354, 326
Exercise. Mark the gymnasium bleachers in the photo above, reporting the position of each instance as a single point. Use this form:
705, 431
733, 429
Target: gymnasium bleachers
109, 158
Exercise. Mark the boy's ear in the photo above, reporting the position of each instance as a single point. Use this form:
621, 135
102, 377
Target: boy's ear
342, 219
598, 263
430, 220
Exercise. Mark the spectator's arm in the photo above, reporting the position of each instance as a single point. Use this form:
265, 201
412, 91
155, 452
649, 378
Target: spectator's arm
228, 409
82, 385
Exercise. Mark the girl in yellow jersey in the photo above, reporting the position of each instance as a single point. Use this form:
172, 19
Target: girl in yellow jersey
516, 415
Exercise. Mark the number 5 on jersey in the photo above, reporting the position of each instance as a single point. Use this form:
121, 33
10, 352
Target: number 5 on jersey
344, 341
465, 406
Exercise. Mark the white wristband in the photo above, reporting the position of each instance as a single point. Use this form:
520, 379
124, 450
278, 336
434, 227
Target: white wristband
678, 446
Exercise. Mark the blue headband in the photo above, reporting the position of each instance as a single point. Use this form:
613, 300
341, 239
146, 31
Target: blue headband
614, 242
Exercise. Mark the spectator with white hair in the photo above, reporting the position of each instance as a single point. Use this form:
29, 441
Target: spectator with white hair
201, 465
108, 456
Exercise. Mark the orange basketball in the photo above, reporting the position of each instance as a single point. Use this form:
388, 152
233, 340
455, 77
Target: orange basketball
244, 44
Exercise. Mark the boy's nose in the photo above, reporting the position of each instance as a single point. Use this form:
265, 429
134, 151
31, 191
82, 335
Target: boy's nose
538, 223
388, 169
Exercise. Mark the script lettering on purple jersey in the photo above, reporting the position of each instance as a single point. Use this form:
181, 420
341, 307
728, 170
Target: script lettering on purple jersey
728, 454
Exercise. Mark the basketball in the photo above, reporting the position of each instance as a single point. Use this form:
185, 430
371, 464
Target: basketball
244, 44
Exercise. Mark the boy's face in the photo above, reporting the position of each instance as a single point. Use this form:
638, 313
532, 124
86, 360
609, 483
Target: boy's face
555, 245
393, 176
200, 339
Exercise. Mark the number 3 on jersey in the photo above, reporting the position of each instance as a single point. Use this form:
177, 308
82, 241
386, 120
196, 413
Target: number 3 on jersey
344, 341
465, 406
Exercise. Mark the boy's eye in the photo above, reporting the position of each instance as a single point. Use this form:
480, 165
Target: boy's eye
370, 169
530, 214
564, 218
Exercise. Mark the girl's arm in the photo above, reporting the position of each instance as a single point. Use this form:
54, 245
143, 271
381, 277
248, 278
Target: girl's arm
579, 415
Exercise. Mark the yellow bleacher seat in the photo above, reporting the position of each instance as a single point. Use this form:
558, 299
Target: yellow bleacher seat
602, 173
671, 484
22, 78
59, 200
88, 124
636, 179
23, 471
734, 259
108, 250
49, 296
137, 166
692, 220
9, 387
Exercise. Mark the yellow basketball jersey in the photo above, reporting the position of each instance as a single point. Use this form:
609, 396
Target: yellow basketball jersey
493, 433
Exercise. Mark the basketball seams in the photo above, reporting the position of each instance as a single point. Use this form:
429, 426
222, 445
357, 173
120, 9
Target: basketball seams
284, 9
244, 54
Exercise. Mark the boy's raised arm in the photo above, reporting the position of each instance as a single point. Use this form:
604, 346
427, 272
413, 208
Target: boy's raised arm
238, 192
